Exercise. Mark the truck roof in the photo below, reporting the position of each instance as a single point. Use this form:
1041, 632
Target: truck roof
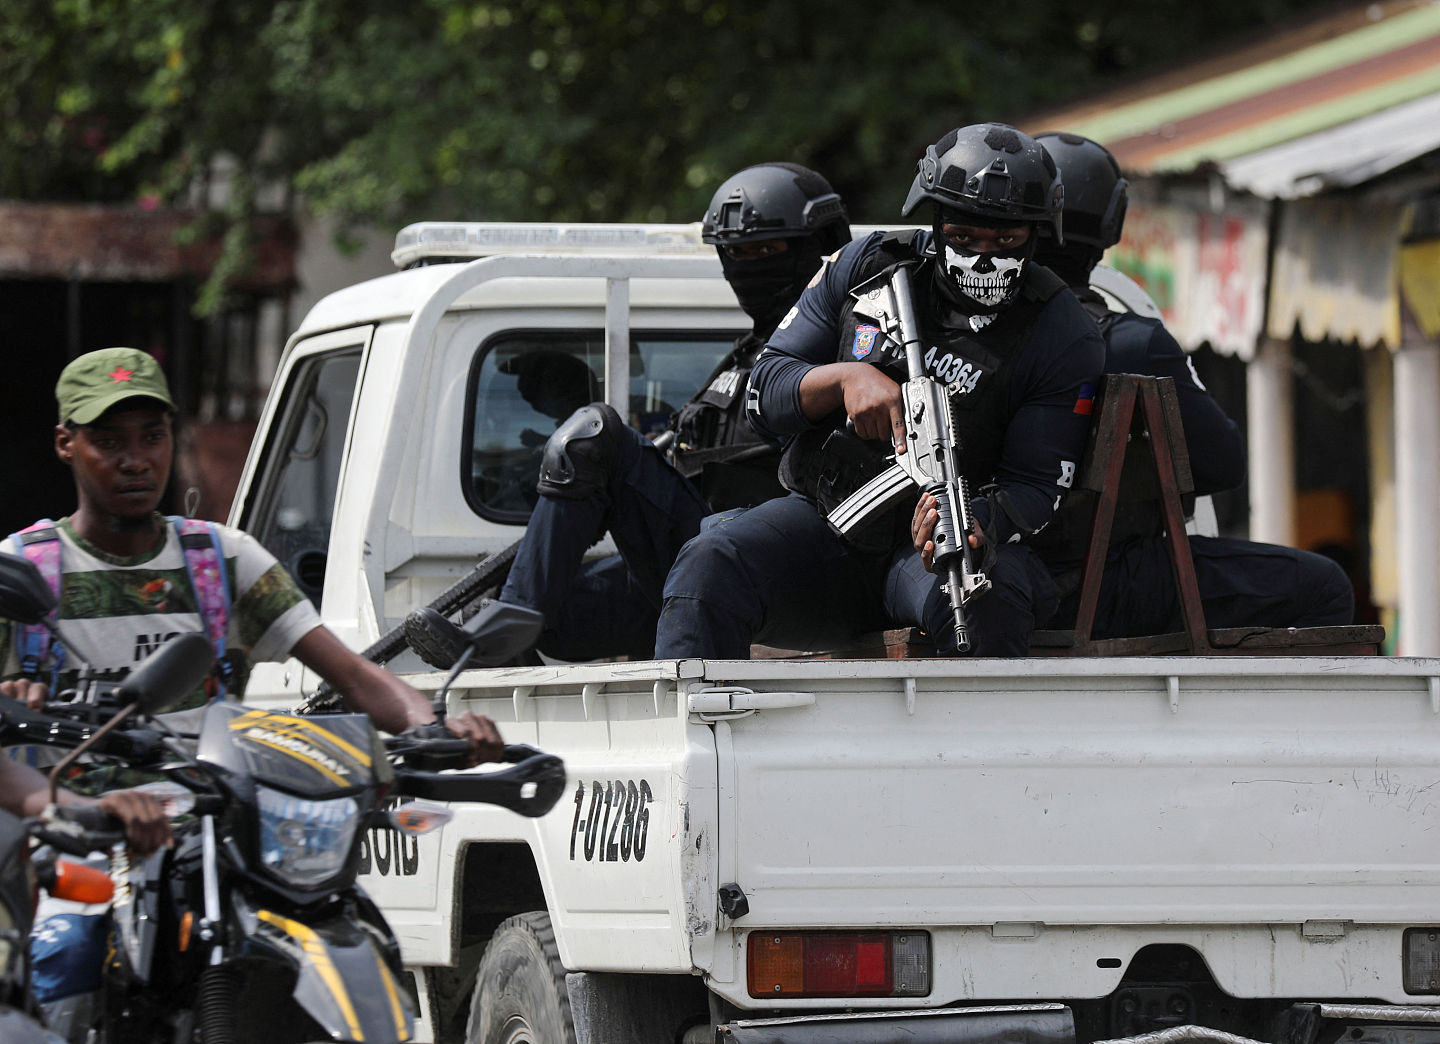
401, 294
432, 241
429, 253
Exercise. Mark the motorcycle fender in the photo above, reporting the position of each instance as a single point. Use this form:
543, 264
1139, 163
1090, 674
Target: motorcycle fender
343, 981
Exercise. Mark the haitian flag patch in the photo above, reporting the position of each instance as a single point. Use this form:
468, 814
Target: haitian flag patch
1086, 403
864, 340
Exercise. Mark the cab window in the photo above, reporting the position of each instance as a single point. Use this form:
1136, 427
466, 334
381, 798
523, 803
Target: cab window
521, 386
297, 497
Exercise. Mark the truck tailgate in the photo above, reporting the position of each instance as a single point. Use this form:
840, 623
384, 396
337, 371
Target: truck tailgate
1197, 791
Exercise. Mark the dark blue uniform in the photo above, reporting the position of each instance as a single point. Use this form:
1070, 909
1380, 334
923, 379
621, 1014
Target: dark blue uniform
1242, 583
609, 606
778, 573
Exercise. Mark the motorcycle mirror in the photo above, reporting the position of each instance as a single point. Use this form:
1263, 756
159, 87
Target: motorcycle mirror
496, 634
169, 674
24, 594
499, 632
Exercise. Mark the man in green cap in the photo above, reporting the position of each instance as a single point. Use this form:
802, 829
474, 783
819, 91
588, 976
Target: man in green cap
99, 380
127, 578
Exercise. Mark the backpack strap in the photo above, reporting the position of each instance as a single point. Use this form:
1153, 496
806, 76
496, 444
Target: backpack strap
205, 564
40, 544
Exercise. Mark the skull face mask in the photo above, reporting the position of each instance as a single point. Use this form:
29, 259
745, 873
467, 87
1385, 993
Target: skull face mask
984, 282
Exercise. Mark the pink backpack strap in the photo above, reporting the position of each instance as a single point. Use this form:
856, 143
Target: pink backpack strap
205, 563
40, 544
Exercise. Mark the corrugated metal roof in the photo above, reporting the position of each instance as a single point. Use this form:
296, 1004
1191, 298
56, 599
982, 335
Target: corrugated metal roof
1343, 156
1367, 80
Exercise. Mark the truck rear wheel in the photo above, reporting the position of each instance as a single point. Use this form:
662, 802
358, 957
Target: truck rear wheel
520, 995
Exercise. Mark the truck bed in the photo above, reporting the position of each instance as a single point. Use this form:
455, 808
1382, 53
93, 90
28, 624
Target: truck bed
1083, 807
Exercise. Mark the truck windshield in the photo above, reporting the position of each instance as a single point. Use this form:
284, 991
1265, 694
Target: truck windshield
522, 386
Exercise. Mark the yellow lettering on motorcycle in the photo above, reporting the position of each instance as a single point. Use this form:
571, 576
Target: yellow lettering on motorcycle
312, 731
320, 957
300, 751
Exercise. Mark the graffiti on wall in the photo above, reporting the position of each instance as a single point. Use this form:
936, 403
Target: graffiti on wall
1206, 271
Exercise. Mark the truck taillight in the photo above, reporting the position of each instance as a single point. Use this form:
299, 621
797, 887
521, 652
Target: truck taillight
838, 964
1421, 959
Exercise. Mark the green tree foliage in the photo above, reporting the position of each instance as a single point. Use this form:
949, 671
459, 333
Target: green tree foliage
379, 111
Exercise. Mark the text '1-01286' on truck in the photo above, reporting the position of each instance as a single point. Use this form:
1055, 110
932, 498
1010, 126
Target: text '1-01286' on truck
1058, 849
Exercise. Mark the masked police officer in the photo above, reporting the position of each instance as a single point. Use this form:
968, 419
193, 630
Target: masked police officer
1021, 357
1241, 583
771, 224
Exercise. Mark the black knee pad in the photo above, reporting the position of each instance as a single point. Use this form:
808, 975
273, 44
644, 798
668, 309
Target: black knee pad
582, 454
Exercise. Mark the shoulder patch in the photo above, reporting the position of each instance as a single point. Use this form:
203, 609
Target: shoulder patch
864, 343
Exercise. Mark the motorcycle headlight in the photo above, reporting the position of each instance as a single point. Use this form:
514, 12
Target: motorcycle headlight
304, 841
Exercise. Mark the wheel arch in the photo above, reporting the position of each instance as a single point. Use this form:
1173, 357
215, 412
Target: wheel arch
499, 880
495, 880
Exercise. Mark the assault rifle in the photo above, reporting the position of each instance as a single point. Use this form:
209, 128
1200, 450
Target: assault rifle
930, 460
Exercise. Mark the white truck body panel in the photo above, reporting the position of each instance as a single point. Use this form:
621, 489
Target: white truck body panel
1042, 820
1078, 809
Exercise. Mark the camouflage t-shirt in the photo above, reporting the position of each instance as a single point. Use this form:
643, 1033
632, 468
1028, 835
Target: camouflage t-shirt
114, 611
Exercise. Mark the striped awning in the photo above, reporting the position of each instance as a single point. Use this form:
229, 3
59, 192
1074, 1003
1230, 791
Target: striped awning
1335, 104
1344, 70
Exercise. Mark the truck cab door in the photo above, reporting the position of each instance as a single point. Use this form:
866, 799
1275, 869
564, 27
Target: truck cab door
287, 495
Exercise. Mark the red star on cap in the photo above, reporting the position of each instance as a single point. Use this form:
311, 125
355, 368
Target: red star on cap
120, 374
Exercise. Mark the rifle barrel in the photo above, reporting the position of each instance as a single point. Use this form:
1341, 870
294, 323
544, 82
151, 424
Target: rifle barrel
909, 328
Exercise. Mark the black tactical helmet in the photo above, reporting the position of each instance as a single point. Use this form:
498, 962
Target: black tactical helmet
776, 201
993, 171
1094, 190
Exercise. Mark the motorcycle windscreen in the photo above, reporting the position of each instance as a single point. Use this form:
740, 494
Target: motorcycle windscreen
330, 752
344, 984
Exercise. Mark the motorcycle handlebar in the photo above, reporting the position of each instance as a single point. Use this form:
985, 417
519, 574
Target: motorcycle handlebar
21, 725
77, 830
531, 786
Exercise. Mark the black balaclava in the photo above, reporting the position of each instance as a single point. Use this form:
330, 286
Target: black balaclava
978, 285
1072, 262
767, 287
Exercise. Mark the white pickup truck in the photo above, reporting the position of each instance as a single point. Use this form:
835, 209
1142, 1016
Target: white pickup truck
1040, 851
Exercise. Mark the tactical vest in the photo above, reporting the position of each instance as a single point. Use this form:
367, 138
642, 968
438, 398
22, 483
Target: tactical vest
732, 464
828, 464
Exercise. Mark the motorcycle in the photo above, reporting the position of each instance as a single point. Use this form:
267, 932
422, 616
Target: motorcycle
252, 928
20, 875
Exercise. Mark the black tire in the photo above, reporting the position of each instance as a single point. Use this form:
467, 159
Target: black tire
520, 995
